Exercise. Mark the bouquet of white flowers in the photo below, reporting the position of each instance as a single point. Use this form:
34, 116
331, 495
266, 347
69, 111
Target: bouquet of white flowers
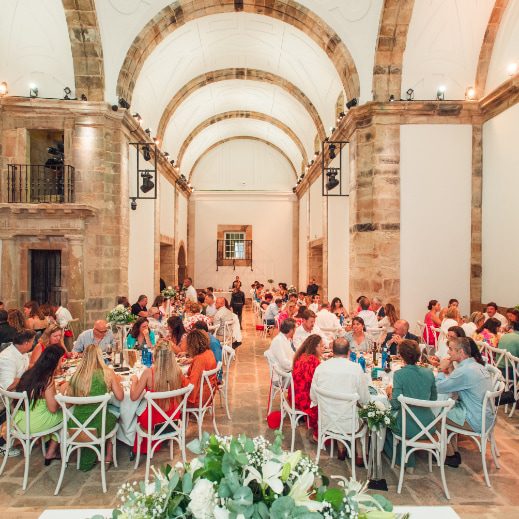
169, 293
291, 290
120, 315
378, 415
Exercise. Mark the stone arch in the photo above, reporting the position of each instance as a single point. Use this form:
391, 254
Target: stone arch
87, 48
241, 114
339, 107
389, 54
179, 13
487, 47
240, 137
317, 144
237, 73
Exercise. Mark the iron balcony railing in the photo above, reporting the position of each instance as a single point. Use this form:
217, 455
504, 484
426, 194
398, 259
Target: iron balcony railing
233, 252
35, 184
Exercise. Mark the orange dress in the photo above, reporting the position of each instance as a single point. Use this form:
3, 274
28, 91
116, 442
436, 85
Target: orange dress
203, 362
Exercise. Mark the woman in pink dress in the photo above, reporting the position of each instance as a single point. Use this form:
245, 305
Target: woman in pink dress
432, 321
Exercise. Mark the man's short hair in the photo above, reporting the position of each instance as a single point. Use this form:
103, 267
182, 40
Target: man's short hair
308, 314
3, 315
364, 303
142, 297
201, 325
315, 295
492, 304
453, 301
461, 343
269, 297
210, 289
341, 347
189, 279
278, 301
302, 294
325, 304
23, 336
287, 325
292, 296
210, 296
378, 300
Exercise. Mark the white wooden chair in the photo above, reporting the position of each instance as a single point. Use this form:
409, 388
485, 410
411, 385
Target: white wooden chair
513, 362
487, 433
421, 330
227, 333
173, 428
333, 409
288, 406
208, 403
266, 327
14, 401
275, 388
435, 443
77, 435
228, 355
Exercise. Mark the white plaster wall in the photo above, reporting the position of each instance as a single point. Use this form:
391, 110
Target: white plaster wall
316, 209
142, 239
435, 176
35, 48
500, 208
167, 208
506, 47
271, 218
244, 165
303, 242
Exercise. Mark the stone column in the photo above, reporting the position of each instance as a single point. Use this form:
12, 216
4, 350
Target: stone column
190, 268
476, 218
10, 289
76, 278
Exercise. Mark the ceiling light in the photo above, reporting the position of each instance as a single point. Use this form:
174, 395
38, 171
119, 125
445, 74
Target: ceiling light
172, 162
138, 117
33, 90
67, 92
470, 94
115, 108
166, 154
512, 69
146, 153
123, 103
3, 89
156, 141
332, 181
332, 149
351, 103
148, 131
440, 94
332, 129
409, 94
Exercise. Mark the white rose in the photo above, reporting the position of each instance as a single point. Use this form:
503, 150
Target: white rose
380, 405
387, 420
202, 499
194, 465
169, 288
371, 414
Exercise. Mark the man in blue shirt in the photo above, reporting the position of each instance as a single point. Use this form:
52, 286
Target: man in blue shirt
100, 334
471, 381
272, 310
214, 344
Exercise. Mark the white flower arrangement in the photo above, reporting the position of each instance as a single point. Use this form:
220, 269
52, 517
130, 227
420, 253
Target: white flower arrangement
291, 290
120, 315
377, 415
169, 293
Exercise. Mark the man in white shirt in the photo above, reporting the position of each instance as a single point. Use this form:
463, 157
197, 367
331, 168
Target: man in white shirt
315, 306
63, 316
307, 328
221, 316
210, 309
190, 289
328, 323
14, 360
369, 317
155, 325
340, 376
493, 313
281, 348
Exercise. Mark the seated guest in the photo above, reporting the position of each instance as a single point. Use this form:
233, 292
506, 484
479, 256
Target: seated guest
453, 303
139, 308
293, 297
187, 307
35, 319
411, 381
443, 349
7, 332
488, 332
510, 343
288, 312
222, 315
210, 309
359, 340
281, 348
389, 319
306, 360
16, 320
160, 303
401, 332
299, 315
359, 309
163, 375
48, 313
63, 316
198, 348
341, 376
195, 317
154, 318
307, 327
99, 334
14, 360
266, 301
338, 309
327, 323
272, 311
471, 381
367, 315
201, 301
141, 336
513, 317
94, 378
491, 312
378, 309
282, 292
44, 411
452, 318
214, 344
475, 321
52, 335
177, 334
301, 301
315, 306
432, 321
123, 300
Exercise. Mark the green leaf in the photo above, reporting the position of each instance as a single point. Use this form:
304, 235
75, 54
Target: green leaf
325, 480
383, 502
286, 472
116, 513
282, 508
174, 503
223, 489
187, 483
334, 496
236, 447
98, 517
249, 445
261, 511
301, 512
242, 459
173, 480
243, 496
195, 446
206, 437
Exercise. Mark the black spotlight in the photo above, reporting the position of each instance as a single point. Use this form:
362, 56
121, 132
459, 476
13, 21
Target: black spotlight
115, 108
84, 97
172, 162
147, 131
123, 103
352, 102
391, 98
332, 181
294, 189
58, 155
67, 92
166, 154
409, 94
133, 205
332, 149
146, 153
147, 184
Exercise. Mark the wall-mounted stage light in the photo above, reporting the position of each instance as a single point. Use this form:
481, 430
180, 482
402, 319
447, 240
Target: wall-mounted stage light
33, 90
147, 184
440, 94
147, 131
332, 180
146, 173
133, 205
351, 103
67, 92
332, 149
3, 89
138, 117
146, 153
115, 108
172, 162
332, 174
156, 141
166, 154
409, 94
84, 97
470, 94
123, 103
391, 98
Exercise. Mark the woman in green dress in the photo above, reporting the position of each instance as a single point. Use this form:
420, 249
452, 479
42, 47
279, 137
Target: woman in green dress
412, 381
94, 378
44, 411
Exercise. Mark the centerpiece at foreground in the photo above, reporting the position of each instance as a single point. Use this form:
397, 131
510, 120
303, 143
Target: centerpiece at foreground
241, 478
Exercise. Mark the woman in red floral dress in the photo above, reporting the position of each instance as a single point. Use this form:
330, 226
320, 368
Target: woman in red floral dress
306, 359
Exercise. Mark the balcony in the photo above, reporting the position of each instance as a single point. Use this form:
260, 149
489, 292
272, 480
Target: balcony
40, 184
233, 253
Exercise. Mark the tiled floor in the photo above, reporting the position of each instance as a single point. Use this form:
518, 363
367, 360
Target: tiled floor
249, 385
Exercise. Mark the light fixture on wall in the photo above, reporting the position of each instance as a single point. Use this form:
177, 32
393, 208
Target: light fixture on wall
332, 176
470, 94
440, 94
332, 149
137, 117
67, 92
3, 89
115, 108
351, 103
166, 154
332, 180
512, 68
84, 97
391, 98
172, 162
332, 129
33, 90
341, 115
133, 205
156, 141
409, 94
147, 131
147, 184
146, 175
146, 153
123, 103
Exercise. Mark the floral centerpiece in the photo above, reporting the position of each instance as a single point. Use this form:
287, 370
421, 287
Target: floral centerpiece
120, 315
242, 478
291, 290
169, 293
378, 415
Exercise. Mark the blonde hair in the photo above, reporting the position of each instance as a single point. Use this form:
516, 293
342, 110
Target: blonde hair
168, 376
45, 336
196, 308
453, 313
81, 380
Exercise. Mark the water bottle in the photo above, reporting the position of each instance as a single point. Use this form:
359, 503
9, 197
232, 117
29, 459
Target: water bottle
353, 355
341, 319
362, 363
384, 357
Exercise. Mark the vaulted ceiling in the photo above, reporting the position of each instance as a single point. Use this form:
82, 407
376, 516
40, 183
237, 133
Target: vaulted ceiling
203, 72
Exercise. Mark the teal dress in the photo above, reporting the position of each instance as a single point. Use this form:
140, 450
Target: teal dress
413, 382
132, 343
83, 412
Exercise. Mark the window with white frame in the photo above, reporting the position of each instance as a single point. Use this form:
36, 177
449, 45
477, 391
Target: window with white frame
234, 245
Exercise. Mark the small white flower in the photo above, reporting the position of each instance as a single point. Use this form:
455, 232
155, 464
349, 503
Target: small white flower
202, 497
380, 405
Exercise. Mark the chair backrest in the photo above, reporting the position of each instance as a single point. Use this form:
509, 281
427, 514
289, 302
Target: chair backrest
13, 401
286, 383
228, 332
228, 355
495, 355
490, 401
169, 421
271, 362
73, 326
443, 406
4, 346
514, 363
206, 380
496, 375
344, 409
81, 433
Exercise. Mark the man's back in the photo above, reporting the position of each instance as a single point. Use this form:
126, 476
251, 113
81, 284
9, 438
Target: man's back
369, 318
